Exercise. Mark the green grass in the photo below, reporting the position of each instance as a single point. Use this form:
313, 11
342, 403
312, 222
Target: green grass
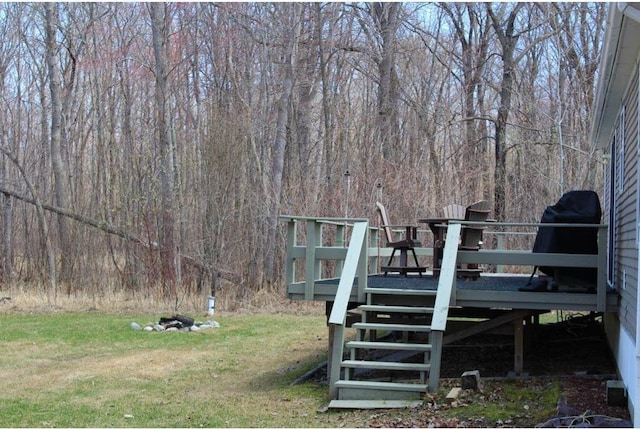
92, 369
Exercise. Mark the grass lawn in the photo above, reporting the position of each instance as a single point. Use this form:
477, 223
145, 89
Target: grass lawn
91, 369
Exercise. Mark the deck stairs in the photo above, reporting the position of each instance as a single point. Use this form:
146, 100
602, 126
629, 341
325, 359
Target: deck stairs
388, 363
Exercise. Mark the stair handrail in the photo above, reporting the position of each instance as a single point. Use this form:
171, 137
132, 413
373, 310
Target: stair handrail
355, 264
444, 297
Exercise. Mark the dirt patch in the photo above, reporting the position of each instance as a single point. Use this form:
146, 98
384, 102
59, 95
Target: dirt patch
588, 396
512, 403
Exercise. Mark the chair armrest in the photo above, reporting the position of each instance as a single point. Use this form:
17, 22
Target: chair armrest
410, 231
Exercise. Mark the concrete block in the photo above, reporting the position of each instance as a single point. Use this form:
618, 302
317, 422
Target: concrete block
616, 393
471, 380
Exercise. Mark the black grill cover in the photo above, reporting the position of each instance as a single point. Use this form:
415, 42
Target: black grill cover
573, 207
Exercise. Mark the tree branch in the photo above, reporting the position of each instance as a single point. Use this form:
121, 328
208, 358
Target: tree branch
114, 230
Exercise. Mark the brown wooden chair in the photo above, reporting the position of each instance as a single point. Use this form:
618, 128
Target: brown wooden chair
405, 244
471, 236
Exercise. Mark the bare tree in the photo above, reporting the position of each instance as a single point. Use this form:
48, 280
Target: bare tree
380, 23
44, 229
472, 33
160, 31
290, 15
7, 51
505, 24
55, 144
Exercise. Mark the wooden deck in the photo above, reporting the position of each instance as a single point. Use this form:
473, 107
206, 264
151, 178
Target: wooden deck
346, 277
489, 291
492, 290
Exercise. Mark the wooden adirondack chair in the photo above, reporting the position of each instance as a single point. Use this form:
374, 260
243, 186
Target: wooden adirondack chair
453, 211
405, 244
471, 238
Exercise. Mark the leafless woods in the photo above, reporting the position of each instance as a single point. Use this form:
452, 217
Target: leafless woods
153, 146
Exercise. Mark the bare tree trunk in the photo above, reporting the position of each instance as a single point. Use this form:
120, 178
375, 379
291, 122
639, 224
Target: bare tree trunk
280, 142
387, 17
167, 222
6, 264
327, 140
471, 32
508, 39
6, 204
44, 229
60, 193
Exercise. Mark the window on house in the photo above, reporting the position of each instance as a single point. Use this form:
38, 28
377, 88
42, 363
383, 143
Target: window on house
610, 196
620, 144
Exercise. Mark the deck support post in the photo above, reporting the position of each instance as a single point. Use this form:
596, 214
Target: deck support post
436, 357
336, 349
332, 332
328, 306
518, 346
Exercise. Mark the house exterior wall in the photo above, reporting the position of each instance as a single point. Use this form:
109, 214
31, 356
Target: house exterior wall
624, 349
615, 126
626, 205
622, 204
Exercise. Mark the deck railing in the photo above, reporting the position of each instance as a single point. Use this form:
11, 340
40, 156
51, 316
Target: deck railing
317, 250
325, 251
528, 258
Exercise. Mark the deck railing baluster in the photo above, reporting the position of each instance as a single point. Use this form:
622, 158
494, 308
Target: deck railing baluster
290, 264
312, 265
601, 299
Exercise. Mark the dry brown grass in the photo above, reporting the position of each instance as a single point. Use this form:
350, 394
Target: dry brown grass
108, 299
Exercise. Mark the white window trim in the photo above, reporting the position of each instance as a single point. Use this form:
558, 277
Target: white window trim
620, 143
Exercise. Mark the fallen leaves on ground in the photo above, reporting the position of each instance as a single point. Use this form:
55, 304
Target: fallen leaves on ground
505, 402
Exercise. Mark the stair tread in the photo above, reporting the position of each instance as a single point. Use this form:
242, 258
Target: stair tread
400, 366
383, 345
396, 309
382, 385
392, 327
365, 404
387, 291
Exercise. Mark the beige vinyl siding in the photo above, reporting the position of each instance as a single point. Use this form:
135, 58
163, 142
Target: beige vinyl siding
627, 210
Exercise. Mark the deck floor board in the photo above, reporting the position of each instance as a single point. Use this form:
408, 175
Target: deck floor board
490, 291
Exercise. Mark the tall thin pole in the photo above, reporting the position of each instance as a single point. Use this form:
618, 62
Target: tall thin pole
347, 180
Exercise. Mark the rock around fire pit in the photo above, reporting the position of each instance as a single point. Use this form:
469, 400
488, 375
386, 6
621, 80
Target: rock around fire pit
175, 323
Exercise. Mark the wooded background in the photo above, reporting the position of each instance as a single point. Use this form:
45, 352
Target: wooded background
152, 147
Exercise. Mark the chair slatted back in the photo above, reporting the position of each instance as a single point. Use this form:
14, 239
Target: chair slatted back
476, 212
454, 211
384, 218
